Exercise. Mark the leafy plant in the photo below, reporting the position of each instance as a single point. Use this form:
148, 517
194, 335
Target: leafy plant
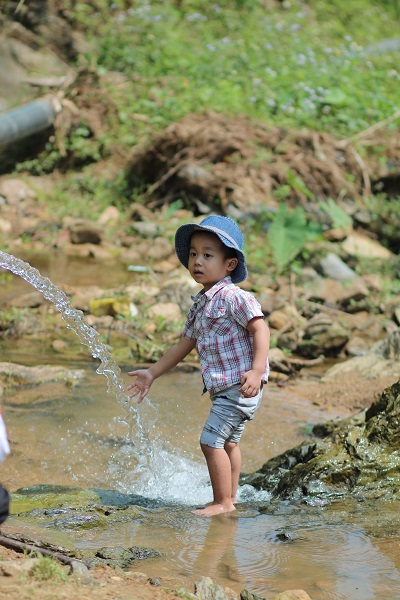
288, 234
340, 219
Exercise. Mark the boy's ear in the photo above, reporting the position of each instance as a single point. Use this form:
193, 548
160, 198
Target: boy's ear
231, 264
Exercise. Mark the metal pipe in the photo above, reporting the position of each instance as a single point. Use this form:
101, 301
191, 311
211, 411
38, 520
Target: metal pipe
26, 120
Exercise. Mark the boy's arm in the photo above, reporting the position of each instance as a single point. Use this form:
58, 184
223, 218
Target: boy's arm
145, 377
251, 380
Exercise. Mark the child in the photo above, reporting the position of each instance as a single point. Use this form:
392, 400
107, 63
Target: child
227, 327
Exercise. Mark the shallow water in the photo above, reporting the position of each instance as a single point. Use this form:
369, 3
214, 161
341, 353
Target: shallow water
76, 436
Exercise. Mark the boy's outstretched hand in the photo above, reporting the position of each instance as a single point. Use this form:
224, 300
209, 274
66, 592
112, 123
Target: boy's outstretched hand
141, 386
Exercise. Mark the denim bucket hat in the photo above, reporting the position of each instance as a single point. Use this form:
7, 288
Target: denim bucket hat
227, 231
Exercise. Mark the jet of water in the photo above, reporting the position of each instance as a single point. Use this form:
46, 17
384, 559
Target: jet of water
89, 337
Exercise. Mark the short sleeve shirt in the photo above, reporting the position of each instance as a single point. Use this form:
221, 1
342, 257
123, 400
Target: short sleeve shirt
218, 321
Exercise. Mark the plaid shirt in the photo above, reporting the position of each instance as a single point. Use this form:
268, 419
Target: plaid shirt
218, 321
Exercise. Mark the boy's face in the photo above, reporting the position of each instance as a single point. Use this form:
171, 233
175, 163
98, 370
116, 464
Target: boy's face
207, 263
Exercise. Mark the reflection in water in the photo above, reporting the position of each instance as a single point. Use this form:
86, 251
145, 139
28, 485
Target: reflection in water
216, 557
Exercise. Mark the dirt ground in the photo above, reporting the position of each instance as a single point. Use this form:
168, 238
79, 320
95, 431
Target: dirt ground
104, 583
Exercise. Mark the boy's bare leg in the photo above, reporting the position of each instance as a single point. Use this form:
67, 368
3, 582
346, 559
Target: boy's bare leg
219, 468
235, 458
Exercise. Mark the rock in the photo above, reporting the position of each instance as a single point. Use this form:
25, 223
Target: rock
287, 318
123, 557
84, 232
322, 335
148, 229
80, 571
247, 595
358, 457
109, 216
334, 267
113, 307
356, 346
13, 375
292, 595
206, 589
168, 310
381, 360
357, 244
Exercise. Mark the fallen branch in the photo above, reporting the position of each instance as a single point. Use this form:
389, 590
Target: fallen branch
22, 547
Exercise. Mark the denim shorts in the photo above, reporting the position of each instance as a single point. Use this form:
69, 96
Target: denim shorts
229, 412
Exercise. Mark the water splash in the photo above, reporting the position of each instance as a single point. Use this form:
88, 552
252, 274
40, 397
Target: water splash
89, 337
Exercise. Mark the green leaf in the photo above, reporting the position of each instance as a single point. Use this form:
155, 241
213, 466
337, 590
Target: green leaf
340, 219
335, 97
288, 235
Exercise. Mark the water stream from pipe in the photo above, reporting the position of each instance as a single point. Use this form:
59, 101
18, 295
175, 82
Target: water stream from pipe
89, 337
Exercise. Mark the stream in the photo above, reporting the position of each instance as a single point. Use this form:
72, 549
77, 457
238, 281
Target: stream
77, 436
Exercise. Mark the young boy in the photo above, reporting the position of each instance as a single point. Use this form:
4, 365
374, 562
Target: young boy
227, 327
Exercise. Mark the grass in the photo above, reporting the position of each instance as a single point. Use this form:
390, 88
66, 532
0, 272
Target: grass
301, 65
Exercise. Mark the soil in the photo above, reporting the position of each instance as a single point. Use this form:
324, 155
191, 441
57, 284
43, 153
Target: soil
105, 583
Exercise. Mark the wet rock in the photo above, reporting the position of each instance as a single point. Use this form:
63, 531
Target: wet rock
123, 557
358, 457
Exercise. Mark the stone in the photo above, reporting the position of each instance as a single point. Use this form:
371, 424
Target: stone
286, 317
109, 216
334, 267
168, 310
356, 346
80, 571
292, 595
13, 375
206, 589
357, 244
85, 232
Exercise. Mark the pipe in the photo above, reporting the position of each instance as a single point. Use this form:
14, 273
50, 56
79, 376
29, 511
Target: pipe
26, 120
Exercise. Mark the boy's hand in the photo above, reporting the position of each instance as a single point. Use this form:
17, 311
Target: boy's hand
141, 386
251, 382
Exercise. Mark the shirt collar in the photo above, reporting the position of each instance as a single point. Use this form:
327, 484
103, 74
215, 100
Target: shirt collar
213, 290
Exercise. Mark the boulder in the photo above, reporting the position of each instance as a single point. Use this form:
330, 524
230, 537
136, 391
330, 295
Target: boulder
357, 457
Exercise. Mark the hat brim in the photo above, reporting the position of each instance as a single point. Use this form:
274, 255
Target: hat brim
182, 247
